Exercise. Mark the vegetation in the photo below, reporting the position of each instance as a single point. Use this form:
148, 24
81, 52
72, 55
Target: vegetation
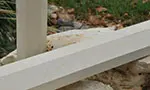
7, 26
137, 10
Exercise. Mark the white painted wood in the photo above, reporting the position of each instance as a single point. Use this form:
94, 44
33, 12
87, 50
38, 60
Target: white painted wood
64, 39
69, 64
31, 27
88, 34
112, 50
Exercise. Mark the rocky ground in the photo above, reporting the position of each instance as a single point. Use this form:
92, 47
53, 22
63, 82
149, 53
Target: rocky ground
132, 76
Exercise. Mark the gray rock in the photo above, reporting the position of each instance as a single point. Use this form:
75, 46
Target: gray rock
65, 28
87, 85
10, 58
78, 25
52, 9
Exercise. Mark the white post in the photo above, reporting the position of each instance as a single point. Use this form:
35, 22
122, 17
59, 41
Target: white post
31, 27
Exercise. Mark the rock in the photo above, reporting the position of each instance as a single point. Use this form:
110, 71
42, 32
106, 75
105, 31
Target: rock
10, 58
87, 85
61, 22
69, 25
78, 25
53, 15
135, 88
146, 60
52, 9
52, 20
127, 77
65, 28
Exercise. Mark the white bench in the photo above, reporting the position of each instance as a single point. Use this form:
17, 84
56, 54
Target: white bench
63, 66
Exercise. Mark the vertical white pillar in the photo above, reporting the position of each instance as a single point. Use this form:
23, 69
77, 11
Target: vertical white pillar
31, 27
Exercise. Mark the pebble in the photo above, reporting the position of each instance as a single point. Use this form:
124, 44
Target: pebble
87, 85
10, 58
78, 25
65, 28
54, 15
52, 9
73, 25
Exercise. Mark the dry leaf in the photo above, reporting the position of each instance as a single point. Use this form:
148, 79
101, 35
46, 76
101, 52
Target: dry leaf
119, 26
100, 9
145, 1
127, 22
109, 16
71, 11
66, 15
94, 20
6, 11
103, 23
126, 14
134, 2
111, 24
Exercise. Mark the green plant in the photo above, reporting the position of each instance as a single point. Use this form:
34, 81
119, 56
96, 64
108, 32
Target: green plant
115, 7
7, 26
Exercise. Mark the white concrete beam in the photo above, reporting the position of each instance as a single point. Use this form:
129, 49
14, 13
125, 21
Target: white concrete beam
69, 64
